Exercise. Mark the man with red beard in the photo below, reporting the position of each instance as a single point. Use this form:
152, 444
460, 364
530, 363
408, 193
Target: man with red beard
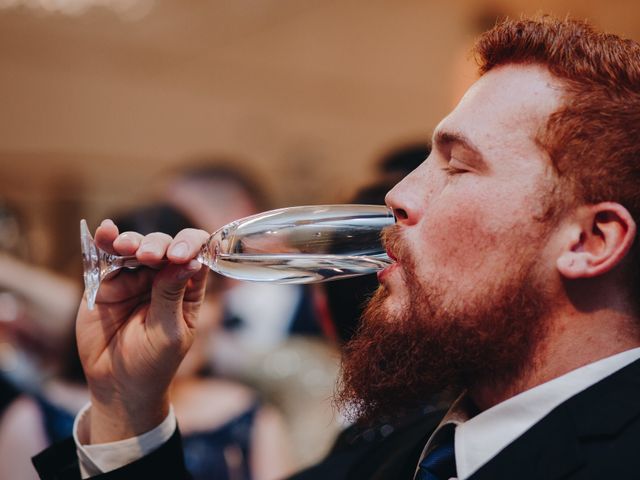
515, 284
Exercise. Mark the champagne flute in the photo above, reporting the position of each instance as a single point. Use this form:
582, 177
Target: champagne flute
305, 244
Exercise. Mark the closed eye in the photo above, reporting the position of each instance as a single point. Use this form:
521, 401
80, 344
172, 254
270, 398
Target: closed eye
449, 170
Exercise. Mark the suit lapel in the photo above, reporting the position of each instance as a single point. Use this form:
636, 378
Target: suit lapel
552, 448
609, 405
548, 450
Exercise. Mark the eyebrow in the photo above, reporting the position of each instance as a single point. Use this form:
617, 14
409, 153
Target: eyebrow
444, 139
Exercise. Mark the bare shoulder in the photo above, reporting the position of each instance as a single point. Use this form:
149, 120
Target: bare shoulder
21, 414
271, 455
270, 418
22, 431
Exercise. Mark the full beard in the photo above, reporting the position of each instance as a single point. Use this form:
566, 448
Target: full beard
403, 359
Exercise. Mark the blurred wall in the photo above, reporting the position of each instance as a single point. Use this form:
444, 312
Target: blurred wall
305, 92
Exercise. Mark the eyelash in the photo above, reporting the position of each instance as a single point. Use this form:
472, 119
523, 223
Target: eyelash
449, 170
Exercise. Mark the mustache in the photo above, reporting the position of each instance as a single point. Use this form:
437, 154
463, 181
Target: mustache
393, 242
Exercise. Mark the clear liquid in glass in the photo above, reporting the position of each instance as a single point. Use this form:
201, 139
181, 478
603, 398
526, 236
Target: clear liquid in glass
301, 244
295, 268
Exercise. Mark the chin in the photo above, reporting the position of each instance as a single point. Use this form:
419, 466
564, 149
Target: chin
388, 303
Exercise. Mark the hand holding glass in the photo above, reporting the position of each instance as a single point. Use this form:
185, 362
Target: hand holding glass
290, 245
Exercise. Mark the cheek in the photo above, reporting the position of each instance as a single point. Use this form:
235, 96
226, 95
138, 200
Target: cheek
455, 225
467, 240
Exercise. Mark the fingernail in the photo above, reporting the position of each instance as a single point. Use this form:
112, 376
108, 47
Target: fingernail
194, 265
126, 237
180, 250
189, 269
147, 248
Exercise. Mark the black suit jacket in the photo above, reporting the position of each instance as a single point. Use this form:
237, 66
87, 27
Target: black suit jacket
593, 435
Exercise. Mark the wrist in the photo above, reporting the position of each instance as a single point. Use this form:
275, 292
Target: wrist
113, 421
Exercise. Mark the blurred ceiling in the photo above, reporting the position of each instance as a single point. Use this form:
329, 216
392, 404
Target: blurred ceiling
308, 93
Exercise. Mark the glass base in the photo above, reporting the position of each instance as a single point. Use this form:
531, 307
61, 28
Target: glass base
91, 264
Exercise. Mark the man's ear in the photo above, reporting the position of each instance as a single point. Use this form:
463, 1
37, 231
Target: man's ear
600, 238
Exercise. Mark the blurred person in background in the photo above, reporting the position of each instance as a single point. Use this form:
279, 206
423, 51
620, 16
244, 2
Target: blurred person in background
229, 432
37, 307
11, 241
42, 414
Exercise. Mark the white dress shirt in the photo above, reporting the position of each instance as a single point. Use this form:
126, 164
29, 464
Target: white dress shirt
477, 439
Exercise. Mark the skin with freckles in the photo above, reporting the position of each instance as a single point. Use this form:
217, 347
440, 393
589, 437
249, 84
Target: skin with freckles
471, 206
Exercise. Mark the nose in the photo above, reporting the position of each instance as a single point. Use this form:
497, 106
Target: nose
403, 200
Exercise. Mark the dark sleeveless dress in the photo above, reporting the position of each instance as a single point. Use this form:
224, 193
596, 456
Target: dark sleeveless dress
222, 453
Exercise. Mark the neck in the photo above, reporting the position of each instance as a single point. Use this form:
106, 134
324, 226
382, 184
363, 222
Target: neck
574, 339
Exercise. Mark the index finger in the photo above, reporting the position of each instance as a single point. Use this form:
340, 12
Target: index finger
105, 235
186, 245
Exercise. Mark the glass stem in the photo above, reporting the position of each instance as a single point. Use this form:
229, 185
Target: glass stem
111, 262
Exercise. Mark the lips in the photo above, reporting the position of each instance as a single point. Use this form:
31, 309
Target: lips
382, 274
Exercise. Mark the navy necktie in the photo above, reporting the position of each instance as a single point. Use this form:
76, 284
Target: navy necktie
440, 462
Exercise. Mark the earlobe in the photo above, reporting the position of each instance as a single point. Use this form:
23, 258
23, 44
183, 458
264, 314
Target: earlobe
599, 240
572, 265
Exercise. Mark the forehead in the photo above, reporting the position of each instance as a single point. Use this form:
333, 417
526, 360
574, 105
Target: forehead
503, 112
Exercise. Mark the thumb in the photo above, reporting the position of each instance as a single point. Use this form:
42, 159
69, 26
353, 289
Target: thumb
167, 295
